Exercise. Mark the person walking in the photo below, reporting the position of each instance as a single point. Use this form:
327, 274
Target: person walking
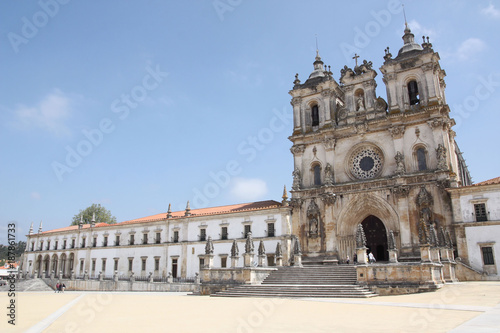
371, 258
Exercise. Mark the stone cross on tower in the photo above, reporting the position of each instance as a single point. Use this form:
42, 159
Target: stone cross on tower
356, 56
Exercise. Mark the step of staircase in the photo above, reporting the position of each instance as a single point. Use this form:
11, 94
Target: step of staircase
304, 282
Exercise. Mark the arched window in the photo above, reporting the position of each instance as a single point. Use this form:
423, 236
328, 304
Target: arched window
317, 174
421, 159
315, 115
413, 92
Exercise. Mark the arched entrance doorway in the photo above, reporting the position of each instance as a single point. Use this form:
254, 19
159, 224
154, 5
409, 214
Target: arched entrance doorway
376, 237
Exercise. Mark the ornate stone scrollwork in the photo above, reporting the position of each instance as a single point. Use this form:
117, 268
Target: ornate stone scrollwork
401, 191
296, 100
343, 113
435, 123
329, 143
329, 198
397, 132
361, 128
298, 149
380, 104
296, 202
360, 237
423, 233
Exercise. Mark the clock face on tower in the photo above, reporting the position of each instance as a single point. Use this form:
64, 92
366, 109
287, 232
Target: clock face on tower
366, 162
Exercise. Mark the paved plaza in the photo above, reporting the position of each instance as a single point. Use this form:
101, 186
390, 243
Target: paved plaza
461, 307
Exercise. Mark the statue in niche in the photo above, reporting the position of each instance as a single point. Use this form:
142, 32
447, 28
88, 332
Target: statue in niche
313, 227
328, 174
297, 179
441, 157
400, 163
360, 104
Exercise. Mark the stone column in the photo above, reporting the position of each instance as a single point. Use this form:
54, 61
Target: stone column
393, 256
209, 261
361, 255
262, 260
115, 276
279, 261
234, 261
297, 260
248, 259
170, 278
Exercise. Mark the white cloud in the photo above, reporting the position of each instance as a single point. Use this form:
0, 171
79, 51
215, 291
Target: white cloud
469, 48
248, 189
491, 11
418, 30
35, 195
49, 114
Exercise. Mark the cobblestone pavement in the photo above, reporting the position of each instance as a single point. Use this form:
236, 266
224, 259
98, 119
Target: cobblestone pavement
461, 307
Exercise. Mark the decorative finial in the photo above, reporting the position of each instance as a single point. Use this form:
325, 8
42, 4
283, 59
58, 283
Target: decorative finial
169, 211
296, 81
284, 197
404, 14
40, 227
81, 218
31, 229
188, 210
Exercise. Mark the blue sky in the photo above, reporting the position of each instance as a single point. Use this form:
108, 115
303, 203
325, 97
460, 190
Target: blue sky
138, 104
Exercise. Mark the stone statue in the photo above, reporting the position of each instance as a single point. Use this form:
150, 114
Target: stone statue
391, 241
297, 179
328, 175
441, 157
249, 244
209, 247
360, 104
400, 163
313, 226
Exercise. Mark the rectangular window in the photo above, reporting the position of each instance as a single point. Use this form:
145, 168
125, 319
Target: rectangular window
157, 264
56, 245
115, 268
93, 265
270, 260
48, 245
224, 233
64, 244
132, 240
33, 246
203, 234
202, 262
83, 241
130, 262
105, 242
94, 242
143, 264
223, 262
144, 238
270, 230
41, 246
117, 240
488, 255
158, 238
480, 211
176, 236
81, 266
73, 243
248, 228
103, 266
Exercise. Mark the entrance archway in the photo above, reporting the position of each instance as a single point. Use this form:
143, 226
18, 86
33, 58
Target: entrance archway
376, 237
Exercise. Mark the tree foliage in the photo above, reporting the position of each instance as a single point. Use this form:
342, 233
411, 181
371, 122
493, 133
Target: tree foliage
102, 215
19, 248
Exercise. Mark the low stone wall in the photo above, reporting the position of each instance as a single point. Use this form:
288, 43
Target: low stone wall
110, 285
401, 278
218, 279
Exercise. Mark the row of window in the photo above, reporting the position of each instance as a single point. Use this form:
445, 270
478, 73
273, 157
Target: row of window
130, 264
145, 238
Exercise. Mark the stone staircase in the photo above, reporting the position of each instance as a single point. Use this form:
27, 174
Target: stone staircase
307, 281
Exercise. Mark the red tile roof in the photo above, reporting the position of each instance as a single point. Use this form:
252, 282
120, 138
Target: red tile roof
489, 182
211, 211
75, 227
252, 206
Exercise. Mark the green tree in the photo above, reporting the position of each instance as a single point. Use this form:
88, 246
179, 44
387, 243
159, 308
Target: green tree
102, 215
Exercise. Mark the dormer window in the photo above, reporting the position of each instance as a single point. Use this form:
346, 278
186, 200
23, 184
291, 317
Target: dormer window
315, 115
413, 93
